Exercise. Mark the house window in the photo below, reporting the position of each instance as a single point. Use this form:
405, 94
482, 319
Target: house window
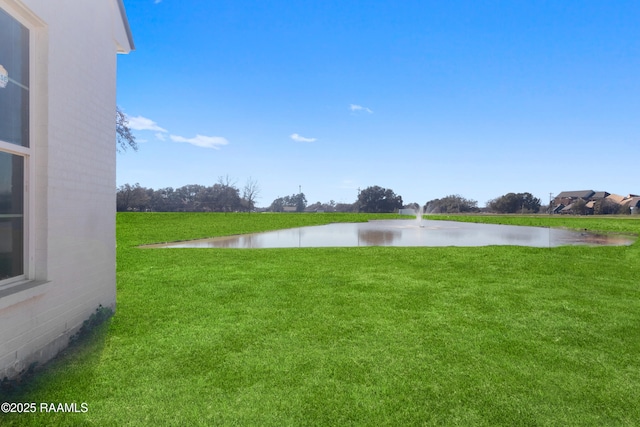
14, 145
11, 216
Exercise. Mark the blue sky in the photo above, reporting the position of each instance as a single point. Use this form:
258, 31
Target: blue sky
428, 98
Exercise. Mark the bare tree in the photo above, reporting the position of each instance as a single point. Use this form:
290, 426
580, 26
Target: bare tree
226, 181
250, 193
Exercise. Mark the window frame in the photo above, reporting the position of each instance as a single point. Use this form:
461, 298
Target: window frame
31, 23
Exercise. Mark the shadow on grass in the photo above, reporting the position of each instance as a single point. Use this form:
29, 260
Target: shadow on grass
85, 344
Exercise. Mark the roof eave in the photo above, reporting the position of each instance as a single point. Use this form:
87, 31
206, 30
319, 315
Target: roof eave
125, 22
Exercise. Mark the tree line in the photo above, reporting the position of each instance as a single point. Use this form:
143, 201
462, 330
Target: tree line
225, 196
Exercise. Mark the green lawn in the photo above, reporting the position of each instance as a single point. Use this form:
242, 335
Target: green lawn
489, 336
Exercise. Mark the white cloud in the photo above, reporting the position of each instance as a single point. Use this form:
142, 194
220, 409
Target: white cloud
202, 141
142, 123
355, 107
157, 1
300, 138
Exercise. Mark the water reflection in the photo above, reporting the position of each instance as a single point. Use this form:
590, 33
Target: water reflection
406, 233
378, 237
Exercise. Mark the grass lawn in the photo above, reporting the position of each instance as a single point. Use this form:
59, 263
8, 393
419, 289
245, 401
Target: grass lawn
488, 336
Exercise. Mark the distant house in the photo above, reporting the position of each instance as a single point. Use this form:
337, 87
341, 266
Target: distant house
565, 202
568, 197
57, 171
594, 202
633, 203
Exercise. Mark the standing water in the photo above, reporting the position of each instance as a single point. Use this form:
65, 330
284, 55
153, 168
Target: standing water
407, 233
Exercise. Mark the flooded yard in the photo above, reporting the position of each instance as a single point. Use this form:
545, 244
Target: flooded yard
406, 233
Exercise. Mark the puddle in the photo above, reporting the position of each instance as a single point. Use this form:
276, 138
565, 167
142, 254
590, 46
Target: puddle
406, 233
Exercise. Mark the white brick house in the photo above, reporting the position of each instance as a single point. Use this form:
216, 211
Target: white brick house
57, 170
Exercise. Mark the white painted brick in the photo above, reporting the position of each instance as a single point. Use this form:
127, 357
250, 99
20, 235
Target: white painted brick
74, 183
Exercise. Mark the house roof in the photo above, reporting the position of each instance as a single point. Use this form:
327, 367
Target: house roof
632, 202
125, 22
567, 208
616, 198
600, 195
581, 194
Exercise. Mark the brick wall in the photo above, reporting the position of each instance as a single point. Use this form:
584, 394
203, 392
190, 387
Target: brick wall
74, 184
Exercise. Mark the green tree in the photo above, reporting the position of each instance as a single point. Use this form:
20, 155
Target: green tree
376, 199
298, 201
219, 198
165, 200
277, 205
514, 203
453, 203
132, 198
190, 199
